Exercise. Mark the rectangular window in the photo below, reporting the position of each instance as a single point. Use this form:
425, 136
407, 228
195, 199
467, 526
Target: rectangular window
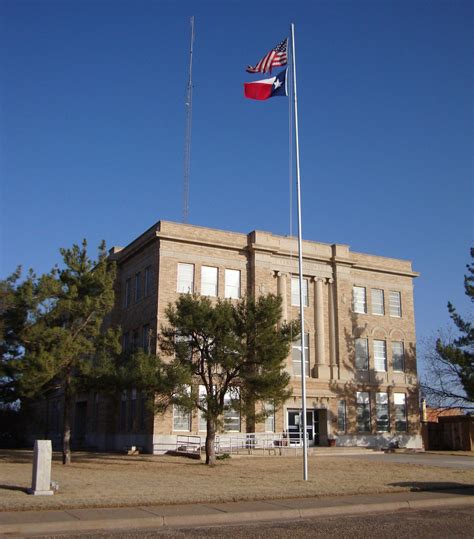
398, 356
138, 286
341, 416
135, 340
395, 304
363, 411
296, 355
143, 401
231, 415
95, 412
359, 300
128, 286
295, 291
208, 281
123, 411
182, 415
126, 341
399, 400
133, 410
185, 278
232, 284
147, 282
377, 301
380, 356
181, 418
270, 419
202, 415
362, 354
381, 408
55, 417
146, 338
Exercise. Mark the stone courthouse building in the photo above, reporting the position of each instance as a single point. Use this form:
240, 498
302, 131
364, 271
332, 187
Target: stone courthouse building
359, 322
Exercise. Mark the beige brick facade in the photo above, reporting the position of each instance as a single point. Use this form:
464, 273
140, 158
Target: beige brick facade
266, 263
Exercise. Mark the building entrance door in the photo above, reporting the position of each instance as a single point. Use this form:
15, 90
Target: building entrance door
295, 426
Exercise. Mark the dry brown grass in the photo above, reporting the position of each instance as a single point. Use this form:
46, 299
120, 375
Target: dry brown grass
98, 480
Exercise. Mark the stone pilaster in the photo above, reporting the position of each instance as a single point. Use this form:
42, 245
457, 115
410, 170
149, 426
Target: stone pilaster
281, 288
323, 370
332, 331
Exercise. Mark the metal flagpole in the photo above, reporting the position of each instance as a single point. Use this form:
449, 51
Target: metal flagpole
300, 261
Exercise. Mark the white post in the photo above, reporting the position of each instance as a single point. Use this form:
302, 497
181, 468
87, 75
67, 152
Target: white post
41, 480
300, 260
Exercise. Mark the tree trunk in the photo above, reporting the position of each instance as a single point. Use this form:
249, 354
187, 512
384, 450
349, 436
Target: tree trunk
211, 443
250, 414
67, 421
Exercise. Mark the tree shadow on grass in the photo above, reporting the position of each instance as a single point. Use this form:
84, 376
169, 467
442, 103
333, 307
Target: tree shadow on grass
14, 487
434, 486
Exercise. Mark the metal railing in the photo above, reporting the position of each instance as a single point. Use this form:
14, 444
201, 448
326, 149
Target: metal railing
233, 444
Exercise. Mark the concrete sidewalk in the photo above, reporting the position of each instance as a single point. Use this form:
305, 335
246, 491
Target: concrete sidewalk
20, 523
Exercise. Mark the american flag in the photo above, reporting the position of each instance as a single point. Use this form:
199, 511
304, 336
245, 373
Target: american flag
275, 58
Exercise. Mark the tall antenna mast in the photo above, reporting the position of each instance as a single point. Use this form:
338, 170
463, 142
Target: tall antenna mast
187, 137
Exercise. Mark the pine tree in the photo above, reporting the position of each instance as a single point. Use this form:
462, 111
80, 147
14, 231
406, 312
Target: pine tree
451, 365
52, 335
235, 351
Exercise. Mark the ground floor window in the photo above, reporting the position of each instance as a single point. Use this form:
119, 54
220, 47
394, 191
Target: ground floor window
202, 414
270, 419
133, 410
123, 411
181, 418
55, 421
363, 411
381, 406
231, 414
399, 400
341, 416
143, 401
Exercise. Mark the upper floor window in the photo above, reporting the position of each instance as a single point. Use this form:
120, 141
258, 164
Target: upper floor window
296, 355
232, 284
295, 291
395, 304
377, 301
359, 300
399, 400
138, 286
126, 341
208, 281
185, 278
398, 356
135, 340
128, 291
380, 356
363, 411
147, 282
361, 355
146, 338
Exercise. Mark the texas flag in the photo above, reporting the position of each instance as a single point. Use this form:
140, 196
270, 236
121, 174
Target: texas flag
263, 89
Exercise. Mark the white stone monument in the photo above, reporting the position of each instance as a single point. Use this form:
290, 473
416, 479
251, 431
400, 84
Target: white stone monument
41, 481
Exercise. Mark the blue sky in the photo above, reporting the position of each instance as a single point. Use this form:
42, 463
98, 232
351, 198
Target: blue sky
92, 124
